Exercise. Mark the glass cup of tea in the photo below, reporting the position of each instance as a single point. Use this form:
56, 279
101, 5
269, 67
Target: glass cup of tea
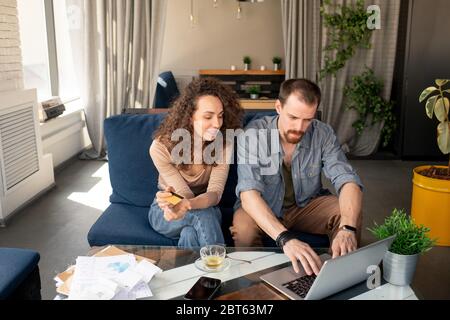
213, 256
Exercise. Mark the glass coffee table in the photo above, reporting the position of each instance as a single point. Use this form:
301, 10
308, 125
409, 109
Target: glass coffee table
240, 279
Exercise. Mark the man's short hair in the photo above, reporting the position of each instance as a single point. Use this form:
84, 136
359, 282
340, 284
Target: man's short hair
307, 91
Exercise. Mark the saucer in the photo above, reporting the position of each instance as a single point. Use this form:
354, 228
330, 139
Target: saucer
201, 266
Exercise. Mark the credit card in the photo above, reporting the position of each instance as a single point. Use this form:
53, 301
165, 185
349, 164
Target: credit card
174, 199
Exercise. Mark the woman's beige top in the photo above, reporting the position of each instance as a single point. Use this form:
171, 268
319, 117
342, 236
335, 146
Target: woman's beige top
198, 179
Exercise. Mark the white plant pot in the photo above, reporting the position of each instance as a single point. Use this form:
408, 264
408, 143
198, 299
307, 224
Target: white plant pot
254, 96
399, 269
276, 67
246, 67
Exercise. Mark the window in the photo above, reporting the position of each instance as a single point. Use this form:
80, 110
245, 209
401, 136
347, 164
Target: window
33, 33
51, 46
68, 46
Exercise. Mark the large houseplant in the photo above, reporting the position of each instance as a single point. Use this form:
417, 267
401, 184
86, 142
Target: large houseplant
365, 96
347, 30
399, 263
438, 104
431, 184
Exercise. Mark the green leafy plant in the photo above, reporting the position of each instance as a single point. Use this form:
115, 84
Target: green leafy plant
254, 90
277, 60
347, 30
438, 104
247, 60
410, 238
364, 96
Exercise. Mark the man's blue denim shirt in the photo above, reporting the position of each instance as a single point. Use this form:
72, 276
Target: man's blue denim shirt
260, 160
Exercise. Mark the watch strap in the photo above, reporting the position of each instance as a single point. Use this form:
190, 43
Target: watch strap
348, 228
284, 237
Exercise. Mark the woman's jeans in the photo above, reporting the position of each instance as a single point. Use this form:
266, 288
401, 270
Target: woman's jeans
197, 229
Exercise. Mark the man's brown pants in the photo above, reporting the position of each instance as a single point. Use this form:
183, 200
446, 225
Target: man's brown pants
321, 216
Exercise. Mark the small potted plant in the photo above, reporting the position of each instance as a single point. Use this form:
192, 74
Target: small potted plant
431, 184
276, 63
247, 63
399, 263
254, 92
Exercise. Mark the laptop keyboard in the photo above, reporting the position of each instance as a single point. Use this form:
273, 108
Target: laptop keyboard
301, 285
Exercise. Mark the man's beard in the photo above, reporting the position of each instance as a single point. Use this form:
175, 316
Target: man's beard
290, 139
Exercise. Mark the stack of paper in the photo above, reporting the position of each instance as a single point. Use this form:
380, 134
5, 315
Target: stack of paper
111, 274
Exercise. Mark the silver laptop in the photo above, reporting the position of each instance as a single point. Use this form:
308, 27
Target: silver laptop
336, 274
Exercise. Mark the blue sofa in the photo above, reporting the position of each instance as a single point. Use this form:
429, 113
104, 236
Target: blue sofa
19, 274
134, 180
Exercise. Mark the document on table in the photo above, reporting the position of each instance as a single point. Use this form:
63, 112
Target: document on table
107, 278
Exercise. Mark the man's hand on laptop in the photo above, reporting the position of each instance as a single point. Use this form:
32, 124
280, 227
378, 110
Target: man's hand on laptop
300, 251
344, 243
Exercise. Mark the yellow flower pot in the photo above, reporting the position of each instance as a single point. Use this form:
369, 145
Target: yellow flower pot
431, 205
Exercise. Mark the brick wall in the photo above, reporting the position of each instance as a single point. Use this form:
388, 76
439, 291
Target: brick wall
11, 74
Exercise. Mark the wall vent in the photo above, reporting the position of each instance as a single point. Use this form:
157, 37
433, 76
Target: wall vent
19, 149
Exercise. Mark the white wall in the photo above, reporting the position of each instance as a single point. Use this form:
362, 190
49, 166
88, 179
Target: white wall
219, 40
11, 75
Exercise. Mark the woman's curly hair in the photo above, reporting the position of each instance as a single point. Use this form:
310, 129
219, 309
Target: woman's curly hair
183, 109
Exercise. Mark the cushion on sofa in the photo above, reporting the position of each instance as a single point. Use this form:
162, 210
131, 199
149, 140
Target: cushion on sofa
227, 221
133, 176
15, 267
123, 224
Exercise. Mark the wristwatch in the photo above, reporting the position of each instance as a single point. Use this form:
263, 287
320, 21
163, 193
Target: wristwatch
284, 238
348, 228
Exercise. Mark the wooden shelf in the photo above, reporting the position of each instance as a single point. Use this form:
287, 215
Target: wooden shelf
269, 81
261, 104
224, 72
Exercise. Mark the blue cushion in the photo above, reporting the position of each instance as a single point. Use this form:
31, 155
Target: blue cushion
125, 225
227, 221
133, 176
15, 266
229, 193
166, 90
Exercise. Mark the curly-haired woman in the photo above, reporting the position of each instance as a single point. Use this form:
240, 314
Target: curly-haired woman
204, 111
